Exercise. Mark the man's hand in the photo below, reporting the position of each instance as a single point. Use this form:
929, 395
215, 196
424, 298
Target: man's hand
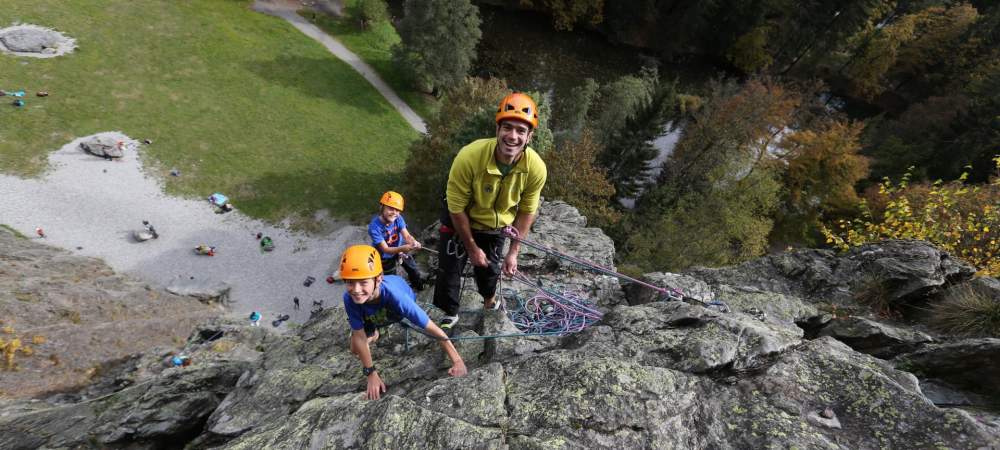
375, 386
510, 264
458, 369
477, 256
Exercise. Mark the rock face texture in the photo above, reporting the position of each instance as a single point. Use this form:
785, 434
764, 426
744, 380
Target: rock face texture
651, 374
28, 41
104, 146
208, 291
902, 271
78, 317
34, 40
972, 364
875, 338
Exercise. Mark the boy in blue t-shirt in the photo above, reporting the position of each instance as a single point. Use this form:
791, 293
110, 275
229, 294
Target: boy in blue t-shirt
388, 233
372, 301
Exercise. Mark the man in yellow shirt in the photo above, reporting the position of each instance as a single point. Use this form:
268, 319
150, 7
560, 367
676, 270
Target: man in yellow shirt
493, 183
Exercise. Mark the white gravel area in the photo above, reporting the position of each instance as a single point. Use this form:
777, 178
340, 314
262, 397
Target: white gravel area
89, 206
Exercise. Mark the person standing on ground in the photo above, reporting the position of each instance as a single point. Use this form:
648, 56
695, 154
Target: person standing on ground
373, 301
493, 183
392, 239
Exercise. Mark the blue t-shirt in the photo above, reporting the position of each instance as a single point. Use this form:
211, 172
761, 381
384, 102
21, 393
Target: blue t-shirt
395, 299
391, 234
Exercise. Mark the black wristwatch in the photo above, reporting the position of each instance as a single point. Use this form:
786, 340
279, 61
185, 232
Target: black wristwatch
368, 370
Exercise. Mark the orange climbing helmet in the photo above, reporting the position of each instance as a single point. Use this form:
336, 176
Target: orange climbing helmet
520, 107
360, 262
393, 199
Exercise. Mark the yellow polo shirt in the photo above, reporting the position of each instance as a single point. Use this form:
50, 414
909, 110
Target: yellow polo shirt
492, 200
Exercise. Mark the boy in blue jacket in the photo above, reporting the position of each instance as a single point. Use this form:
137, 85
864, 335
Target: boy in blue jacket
375, 300
390, 236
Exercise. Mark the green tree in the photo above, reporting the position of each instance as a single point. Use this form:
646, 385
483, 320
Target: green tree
733, 127
629, 149
922, 137
718, 190
621, 100
823, 167
866, 72
567, 13
467, 113
723, 226
750, 53
439, 39
946, 89
575, 177
569, 115
370, 11
938, 35
903, 50
815, 33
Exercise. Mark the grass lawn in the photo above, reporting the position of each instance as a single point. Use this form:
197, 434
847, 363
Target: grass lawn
241, 103
374, 46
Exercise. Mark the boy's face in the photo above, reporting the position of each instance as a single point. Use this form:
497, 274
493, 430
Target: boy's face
362, 291
389, 214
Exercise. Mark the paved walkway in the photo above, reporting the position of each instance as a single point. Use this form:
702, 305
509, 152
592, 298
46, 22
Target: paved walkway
287, 10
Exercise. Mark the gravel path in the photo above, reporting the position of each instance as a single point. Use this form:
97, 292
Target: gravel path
85, 201
287, 10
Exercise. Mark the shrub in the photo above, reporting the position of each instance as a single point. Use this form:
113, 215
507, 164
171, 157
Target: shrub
371, 11
873, 291
222, 346
9, 349
967, 311
961, 219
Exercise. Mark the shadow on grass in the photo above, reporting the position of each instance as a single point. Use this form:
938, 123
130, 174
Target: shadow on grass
347, 193
322, 78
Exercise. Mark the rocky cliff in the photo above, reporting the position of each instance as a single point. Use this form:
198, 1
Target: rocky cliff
74, 318
783, 366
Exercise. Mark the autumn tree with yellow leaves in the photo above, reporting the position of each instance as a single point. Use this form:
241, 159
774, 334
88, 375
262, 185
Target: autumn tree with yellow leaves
961, 219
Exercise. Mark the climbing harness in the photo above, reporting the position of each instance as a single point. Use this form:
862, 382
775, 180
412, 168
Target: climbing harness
455, 248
